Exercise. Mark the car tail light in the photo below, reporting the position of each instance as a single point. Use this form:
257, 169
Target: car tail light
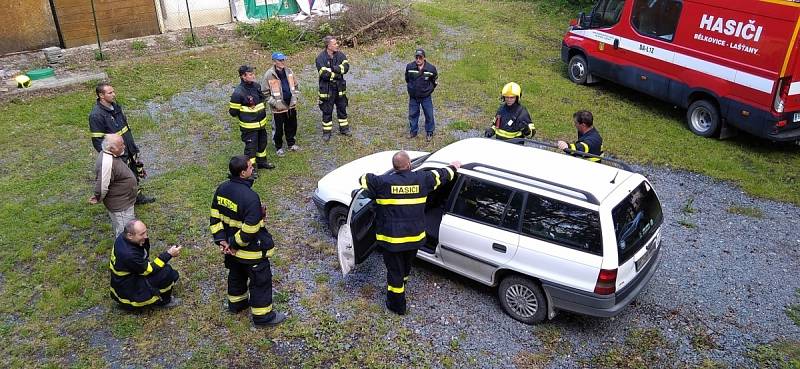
781, 93
780, 124
606, 282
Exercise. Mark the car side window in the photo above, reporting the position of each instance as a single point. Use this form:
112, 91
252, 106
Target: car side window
656, 18
562, 223
482, 201
513, 213
606, 13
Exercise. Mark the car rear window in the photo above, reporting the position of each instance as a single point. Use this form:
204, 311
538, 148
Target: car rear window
636, 219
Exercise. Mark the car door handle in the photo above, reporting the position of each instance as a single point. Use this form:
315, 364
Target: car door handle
498, 247
616, 43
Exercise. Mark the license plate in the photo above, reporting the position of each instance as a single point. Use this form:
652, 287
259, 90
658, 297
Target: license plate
796, 117
645, 258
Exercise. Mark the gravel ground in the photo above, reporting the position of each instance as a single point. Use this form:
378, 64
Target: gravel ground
725, 279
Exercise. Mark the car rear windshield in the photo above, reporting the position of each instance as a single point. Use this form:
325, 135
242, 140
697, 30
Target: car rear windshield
636, 219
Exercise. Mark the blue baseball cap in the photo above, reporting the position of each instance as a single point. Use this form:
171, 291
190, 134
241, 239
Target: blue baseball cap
278, 56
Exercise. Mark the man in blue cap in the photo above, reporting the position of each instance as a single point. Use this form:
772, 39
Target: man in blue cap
282, 92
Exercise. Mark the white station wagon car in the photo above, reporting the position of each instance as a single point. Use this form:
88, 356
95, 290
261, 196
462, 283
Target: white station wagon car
550, 231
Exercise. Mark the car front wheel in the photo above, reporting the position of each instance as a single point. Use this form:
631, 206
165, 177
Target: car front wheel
523, 299
337, 216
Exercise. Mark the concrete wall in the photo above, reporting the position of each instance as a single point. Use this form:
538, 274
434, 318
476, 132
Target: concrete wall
116, 19
26, 25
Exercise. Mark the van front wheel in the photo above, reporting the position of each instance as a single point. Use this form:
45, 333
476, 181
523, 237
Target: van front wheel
578, 69
703, 118
523, 299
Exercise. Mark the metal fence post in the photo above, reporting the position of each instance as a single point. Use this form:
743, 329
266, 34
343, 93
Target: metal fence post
97, 32
191, 29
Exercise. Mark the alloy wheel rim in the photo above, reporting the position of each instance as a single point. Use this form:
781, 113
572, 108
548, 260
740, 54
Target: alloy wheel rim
522, 300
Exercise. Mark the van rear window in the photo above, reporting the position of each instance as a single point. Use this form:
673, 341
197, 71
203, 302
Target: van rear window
635, 220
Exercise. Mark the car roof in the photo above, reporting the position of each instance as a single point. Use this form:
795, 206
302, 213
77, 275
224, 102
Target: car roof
534, 164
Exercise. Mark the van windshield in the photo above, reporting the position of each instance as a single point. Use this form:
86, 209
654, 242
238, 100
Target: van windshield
635, 220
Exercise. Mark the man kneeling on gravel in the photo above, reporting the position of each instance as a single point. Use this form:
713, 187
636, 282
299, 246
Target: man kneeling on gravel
135, 280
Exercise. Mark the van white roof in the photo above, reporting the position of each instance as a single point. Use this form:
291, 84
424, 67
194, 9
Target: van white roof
541, 164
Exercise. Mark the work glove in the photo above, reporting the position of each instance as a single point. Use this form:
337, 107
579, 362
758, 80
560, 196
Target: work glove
489, 132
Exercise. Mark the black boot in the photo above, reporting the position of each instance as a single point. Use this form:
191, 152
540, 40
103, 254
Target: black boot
141, 199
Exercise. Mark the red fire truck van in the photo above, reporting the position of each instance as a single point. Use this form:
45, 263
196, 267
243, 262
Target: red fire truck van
733, 64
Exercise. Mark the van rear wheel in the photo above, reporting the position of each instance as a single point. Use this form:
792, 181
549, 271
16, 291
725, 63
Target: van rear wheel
703, 118
578, 69
523, 299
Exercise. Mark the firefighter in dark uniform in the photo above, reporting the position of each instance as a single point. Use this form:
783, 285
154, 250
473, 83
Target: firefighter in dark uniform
332, 65
589, 140
512, 119
400, 218
237, 224
107, 117
248, 103
136, 281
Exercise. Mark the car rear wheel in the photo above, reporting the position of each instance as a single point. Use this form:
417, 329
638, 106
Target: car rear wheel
578, 69
703, 117
523, 299
337, 216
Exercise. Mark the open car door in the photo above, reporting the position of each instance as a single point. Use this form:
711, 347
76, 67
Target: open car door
356, 239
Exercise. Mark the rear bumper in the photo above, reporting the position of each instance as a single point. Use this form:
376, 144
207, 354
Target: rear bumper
587, 303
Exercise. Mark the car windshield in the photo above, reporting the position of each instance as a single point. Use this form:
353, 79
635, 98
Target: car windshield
635, 220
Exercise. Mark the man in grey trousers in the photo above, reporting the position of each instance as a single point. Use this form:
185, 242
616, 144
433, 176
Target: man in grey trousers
115, 183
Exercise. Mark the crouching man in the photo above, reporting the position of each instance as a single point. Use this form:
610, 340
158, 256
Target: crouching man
135, 280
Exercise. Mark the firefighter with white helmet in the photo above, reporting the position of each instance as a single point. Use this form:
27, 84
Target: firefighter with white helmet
512, 119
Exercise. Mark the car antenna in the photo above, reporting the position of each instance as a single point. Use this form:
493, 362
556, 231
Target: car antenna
615, 177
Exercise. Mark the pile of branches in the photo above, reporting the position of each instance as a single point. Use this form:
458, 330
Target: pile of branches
367, 20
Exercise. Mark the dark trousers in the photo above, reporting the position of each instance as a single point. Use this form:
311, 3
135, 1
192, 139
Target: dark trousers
413, 114
398, 267
255, 145
285, 122
259, 277
326, 105
158, 284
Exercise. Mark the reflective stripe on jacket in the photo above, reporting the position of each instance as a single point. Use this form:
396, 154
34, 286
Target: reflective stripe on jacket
248, 104
513, 122
401, 197
130, 266
236, 217
331, 72
589, 142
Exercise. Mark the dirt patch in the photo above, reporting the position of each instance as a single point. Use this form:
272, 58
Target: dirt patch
206, 100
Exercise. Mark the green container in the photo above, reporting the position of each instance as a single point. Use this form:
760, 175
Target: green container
40, 73
271, 9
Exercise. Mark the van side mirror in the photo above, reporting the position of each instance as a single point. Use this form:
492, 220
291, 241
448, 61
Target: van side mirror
582, 20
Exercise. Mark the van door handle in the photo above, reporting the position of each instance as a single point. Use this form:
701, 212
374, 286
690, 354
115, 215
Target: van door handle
616, 43
498, 247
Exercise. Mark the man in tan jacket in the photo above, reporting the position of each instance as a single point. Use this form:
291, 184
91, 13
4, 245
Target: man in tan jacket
115, 184
282, 100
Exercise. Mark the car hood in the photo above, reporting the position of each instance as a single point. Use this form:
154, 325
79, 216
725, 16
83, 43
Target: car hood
340, 182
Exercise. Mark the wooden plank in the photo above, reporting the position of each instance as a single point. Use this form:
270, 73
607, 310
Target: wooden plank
114, 16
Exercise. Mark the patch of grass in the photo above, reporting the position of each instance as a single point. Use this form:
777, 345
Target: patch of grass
126, 325
274, 34
643, 348
687, 223
190, 40
460, 125
701, 340
748, 211
688, 207
322, 278
793, 310
778, 354
100, 56
138, 45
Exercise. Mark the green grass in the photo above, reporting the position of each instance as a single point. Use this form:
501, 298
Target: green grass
54, 308
747, 211
779, 354
643, 348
